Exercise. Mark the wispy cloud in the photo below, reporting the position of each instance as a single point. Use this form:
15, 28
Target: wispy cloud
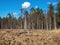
48, 3
14, 13
36, 6
26, 4
54, 3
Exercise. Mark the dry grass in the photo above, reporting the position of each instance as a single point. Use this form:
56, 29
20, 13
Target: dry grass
31, 37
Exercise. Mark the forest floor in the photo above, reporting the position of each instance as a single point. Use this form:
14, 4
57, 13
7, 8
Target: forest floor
29, 37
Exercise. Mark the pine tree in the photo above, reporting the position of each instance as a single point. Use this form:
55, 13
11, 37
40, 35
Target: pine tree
58, 14
50, 15
0, 22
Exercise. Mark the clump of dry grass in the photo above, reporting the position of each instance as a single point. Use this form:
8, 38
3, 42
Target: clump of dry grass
32, 37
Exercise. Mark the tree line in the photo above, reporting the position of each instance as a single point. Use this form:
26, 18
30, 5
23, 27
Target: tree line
36, 19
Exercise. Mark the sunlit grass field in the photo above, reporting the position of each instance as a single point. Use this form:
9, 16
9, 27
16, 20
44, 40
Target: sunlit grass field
29, 37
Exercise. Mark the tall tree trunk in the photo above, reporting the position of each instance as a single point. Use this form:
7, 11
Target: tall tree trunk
21, 24
33, 26
47, 25
42, 25
46, 22
37, 23
11, 24
25, 23
2, 24
55, 22
50, 23
39, 26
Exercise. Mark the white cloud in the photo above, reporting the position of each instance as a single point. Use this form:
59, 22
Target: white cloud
54, 3
26, 5
14, 13
48, 2
36, 6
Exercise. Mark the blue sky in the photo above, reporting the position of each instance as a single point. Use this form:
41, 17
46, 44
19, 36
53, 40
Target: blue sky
14, 6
